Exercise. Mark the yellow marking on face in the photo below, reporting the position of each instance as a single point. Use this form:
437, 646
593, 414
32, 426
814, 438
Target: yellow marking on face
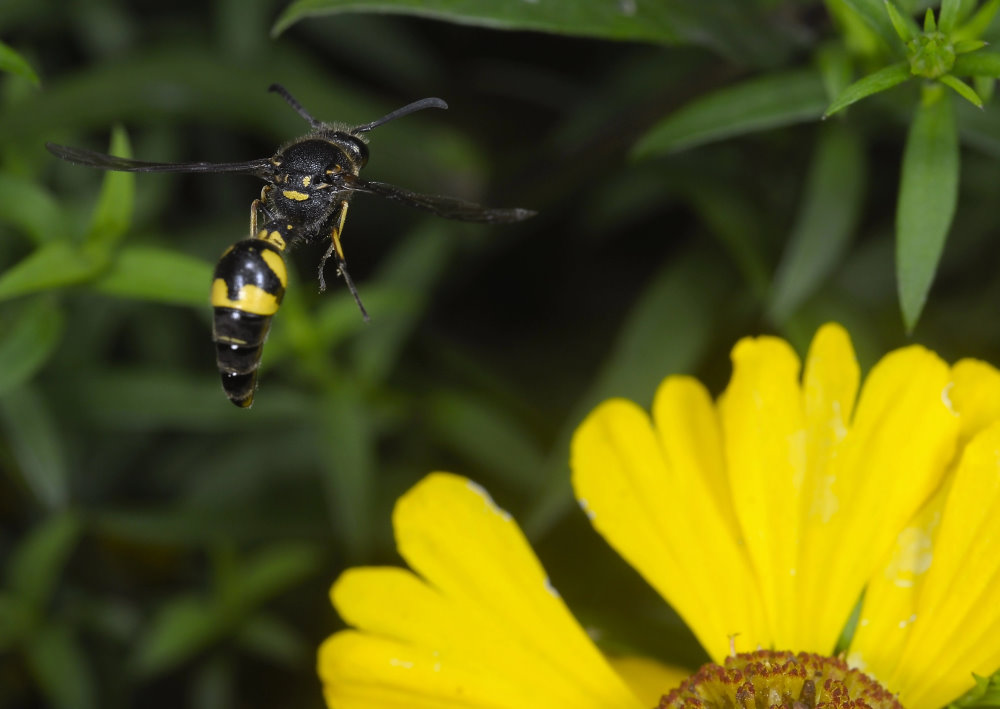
293, 194
272, 236
277, 265
250, 299
306, 180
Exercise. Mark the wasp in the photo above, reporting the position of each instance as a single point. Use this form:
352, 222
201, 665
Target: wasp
309, 183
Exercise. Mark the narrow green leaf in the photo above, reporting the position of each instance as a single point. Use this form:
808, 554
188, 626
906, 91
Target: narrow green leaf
646, 20
984, 86
113, 212
948, 15
906, 29
758, 104
27, 342
181, 628
835, 67
273, 570
977, 64
489, 437
985, 695
978, 23
37, 446
969, 45
274, 640
14, 63
829, 211
51, 266
346, 436
157, 274
881, 80
962, 89
930, 25
35, 565
928, 194
873, 14
28, 206
61, 669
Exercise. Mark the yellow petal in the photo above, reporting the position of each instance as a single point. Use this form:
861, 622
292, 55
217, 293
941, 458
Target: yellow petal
975, 396
763, 426
901, 441
651, 494
958, 608
480, 626
648, 678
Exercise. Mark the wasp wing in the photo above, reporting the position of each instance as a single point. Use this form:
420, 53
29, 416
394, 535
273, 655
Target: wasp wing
448, 207
103, 161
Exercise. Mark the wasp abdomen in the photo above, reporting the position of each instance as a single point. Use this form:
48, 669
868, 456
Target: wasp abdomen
247, 290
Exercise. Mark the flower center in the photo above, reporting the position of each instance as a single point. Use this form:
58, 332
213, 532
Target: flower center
931, 55
768, 678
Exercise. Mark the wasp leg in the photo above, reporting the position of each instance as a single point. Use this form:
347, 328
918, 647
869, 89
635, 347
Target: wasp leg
335, 247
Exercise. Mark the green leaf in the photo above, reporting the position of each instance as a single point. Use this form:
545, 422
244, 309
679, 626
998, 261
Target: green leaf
830, 207
873, 13
977, 64
113, 212
985, 695
271, 571
28, 206
346, 436
14, 63
881, 80
157, 274
35, 565
928, 194
51, 266
641, 20
60, 667
17, 619
28, 342
962, 89
978, 23
904, 26
759, 104
969, 45
37, 446
948, 15
492, 440
274, 640
930, 24
181, 628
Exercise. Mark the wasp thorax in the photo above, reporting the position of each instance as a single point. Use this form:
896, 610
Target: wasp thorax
766, 679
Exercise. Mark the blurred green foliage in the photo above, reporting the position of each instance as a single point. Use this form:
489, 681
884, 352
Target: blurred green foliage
160, 547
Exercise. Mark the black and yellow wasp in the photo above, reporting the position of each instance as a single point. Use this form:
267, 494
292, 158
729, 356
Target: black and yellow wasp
309, 182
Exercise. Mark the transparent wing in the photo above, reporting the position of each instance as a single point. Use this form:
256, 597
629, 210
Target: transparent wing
82, 156
447, 207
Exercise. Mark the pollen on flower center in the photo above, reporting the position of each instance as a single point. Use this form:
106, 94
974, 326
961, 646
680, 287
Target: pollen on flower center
768, 678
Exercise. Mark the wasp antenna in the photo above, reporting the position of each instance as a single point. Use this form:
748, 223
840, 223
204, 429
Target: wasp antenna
283, 92
400, 112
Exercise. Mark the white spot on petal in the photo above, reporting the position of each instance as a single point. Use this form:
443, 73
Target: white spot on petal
585, 506
405, 664
481, 491
550, 588
947, 399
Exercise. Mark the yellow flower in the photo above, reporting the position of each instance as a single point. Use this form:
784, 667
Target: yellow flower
760, 518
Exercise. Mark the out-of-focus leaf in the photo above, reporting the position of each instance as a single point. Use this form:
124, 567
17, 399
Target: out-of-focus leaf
881, 80
411, 272
27, 205
54, 265
904, 25
666, 332
834, 65
274, 640
61, 669
346, 440
29, 341
757, 104
183, 627
874, 15
641, 20
14, 63
486, 435
962, 89
36, 563
215, 683
37, 446
271, 571
977, 64
928, 193
157, 274
978, 23
16, 618
113, 212
829, 211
